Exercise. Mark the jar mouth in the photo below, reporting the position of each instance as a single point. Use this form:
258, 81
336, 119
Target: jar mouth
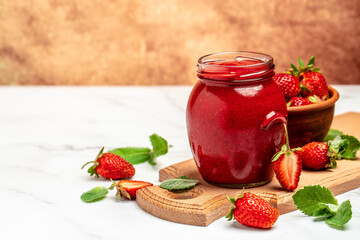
237, 66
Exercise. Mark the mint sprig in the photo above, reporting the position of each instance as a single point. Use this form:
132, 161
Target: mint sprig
318, 201
94, 194
307, 200
352, 147
343, 147
137, 155
179, 183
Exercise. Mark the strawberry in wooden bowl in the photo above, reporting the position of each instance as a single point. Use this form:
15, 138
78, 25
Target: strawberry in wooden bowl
310, 100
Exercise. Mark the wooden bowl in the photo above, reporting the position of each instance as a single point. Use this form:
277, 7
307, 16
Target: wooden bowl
311, 123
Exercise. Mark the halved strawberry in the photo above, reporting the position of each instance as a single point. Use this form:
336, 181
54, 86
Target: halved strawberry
287, 165
128, 188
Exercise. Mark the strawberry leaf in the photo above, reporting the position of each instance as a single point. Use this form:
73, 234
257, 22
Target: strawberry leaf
294, 67
316, 70
301, 63
294, 71
94, 194
277, 156
92, 171
304, 89
312, 99
230, 215
179, 183
311, 62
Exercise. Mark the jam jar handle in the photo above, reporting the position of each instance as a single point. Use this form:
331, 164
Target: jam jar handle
272, 118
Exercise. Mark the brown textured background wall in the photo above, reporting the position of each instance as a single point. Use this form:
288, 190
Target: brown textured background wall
138, 42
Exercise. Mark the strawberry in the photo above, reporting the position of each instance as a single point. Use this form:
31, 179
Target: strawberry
314, 83
128, 188
289, 84
298, 101
287, 165
111, 166
253, 211
315, 156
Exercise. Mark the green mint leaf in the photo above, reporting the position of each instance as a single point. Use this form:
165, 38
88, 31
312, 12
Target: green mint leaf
308, 198
137, 155
152, 159
352, 147
332, 134
134, 155
160, 147
342, 216
325, 210
159, 144
179, 183
338, 145
94, 194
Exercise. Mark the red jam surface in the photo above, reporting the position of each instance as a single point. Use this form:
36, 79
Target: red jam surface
234, 117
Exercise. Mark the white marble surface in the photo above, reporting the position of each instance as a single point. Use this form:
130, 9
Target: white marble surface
47, 133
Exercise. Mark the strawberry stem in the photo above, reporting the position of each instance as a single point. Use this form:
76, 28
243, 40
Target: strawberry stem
286, 138
113, 185
87, 164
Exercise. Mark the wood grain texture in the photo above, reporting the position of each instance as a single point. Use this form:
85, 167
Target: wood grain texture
158, 42
205, 203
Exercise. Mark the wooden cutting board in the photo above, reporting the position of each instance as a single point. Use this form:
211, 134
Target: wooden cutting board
205, 203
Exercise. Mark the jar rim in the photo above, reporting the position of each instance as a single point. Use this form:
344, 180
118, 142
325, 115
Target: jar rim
235, 67
269, 59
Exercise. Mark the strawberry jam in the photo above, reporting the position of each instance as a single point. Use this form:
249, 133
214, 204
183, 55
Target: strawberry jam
234, 119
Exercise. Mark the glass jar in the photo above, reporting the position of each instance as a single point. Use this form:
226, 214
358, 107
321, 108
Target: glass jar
234, 119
